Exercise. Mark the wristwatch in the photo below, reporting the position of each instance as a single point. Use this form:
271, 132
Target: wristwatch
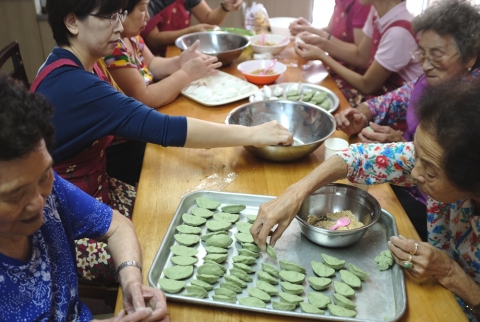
475, 310
126, 264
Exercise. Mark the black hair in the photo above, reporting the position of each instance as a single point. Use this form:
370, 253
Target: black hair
450, 114
57, 10
131, 5
24, 120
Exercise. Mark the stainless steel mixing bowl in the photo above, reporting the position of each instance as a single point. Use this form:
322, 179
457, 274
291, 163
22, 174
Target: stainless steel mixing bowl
333, 198
309, 124
226, 46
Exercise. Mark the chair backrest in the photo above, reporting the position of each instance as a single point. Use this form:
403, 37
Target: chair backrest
12, 51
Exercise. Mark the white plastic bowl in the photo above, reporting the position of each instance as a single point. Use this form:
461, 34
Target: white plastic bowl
280, 25
271, 38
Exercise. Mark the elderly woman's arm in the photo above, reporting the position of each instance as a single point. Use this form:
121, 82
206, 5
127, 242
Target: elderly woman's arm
362, 163
123, 244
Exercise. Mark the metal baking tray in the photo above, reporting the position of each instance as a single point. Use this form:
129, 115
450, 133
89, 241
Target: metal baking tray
382, 297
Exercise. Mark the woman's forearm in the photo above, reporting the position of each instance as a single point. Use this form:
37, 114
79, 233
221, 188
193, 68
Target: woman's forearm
166, 90
156, 38
346, 52
462, 285
162, 67
203, 134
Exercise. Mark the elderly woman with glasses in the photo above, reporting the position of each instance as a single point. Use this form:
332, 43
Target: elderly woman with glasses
89, 112
443, 162
448, 47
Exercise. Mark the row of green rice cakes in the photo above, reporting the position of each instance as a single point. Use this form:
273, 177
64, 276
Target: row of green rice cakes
199, 257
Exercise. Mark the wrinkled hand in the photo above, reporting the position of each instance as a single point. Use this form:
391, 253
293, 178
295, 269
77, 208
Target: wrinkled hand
202, 27
428, 261
309, 52
271, 133
279, 211
138, 297
381, 134
350, 121
232, 5
201, 66
190, 53
311, 39
300, 25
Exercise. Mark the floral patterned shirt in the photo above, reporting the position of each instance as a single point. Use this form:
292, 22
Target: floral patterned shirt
122, 57
45, 288
453, 228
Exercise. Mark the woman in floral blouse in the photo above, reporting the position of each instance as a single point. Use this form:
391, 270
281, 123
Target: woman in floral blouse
447, 48
442, 161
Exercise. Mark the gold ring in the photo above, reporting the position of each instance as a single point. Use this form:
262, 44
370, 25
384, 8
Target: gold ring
415, 251
407, 264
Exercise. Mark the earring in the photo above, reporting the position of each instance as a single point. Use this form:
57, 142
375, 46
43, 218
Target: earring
469, 69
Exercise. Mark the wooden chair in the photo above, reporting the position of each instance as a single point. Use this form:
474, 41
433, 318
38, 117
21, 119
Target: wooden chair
12, 51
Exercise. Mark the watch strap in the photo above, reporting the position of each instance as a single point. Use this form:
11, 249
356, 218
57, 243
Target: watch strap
126, 264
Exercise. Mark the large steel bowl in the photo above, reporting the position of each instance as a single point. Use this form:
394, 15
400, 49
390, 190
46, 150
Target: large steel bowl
309, 124
226, 46
333, 198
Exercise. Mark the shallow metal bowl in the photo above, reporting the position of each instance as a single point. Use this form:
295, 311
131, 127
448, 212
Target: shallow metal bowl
309, 124
333, 198
226, 46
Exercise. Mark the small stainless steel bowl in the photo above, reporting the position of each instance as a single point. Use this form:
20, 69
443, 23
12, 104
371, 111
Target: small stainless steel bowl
337, 197
226, 46
309, 124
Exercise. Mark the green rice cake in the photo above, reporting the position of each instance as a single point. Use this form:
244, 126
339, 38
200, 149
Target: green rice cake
192, 220
343, 289
208, 235
244, 237
333, 262
180, 250
258, 293
208, 278
240, 274
243, 227
290, 298
215, 225
215, 250
288, 287
200, 292
267, 287
322, 270
233, 209
342, 301
202, 284
210, 269
171, 286
318, 299
246, 252
251, 247
350, 278
243, 259
218, 258
319, 283
264, 276
289, 266
271, 252
207, 203
309, 308
202, 212
223, 241
270, 270
358, 271
292, 277
225, 217
186, 239
251, 218
225, 299
184, 260
209, 261
252, 301
247, 269
341, 311
186, 229
225, 292
235, 280
178, 272
231, 286
283, 306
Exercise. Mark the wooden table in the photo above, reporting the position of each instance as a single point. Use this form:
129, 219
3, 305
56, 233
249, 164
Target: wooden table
170, 173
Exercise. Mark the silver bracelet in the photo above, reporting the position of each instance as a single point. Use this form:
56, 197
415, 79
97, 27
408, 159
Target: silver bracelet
126, 264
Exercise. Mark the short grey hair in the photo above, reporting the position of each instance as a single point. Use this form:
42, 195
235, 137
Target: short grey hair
458, 18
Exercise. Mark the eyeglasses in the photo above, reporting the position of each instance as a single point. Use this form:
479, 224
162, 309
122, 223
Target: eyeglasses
435, 61
114, 19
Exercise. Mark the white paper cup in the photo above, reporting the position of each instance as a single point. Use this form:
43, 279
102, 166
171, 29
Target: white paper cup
334, 145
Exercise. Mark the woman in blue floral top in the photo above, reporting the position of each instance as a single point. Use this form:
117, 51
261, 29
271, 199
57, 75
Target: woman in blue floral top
443, 162
447, 48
